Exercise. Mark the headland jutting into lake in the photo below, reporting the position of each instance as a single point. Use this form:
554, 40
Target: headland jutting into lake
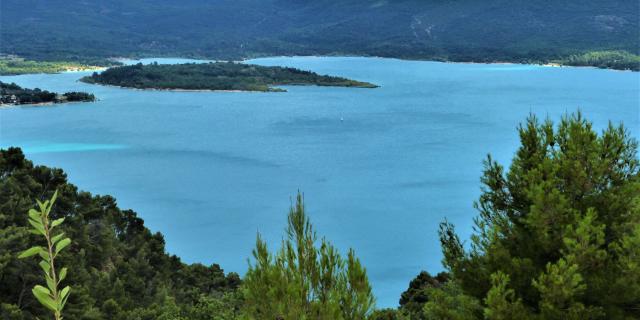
215, 76
13, 94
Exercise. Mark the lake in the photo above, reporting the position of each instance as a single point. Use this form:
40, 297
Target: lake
379, 168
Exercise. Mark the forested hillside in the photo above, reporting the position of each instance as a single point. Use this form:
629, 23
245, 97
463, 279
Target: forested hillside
118, 268
461, 30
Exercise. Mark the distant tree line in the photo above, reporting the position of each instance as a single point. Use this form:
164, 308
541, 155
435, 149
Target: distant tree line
620, 60
11, 93
11, 65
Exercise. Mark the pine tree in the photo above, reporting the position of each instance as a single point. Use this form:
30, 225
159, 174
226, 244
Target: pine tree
501, 303
557, 233
303, 281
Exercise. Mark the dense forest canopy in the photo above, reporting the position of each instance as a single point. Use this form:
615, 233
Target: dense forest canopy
457, 30
214, 76
620, 60
119, 268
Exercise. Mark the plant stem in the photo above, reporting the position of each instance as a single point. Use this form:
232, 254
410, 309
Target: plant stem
52, 270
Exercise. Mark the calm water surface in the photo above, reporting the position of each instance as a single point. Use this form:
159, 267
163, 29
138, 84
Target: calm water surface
379, 167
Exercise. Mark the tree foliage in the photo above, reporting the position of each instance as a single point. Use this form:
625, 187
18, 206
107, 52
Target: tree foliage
304, 281
214, 76
118, 267
556, 233
413, 299
451, 303
11, 93
620, 60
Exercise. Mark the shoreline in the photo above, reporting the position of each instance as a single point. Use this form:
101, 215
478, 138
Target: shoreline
71, 69
8, 105
89, 69
546, 64
177, 90
276, 87
244, 60
50, 103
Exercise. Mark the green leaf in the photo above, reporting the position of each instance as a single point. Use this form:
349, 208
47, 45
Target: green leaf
37, 226
44, 255
35, 222
35, 215
53, 198
57, 238
44, 296
56, 222
51, 202
30, 252
64, 294
45, 266
41, 205
50, 283
62, 244
42, 289
63, 274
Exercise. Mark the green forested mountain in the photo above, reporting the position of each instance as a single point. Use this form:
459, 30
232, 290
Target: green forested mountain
462, 30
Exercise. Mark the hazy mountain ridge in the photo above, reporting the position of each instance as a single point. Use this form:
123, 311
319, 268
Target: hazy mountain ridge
447, 29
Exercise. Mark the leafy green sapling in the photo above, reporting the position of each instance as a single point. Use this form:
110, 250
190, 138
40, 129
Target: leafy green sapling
51, 296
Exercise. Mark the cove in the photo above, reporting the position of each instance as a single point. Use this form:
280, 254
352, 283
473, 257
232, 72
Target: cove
379, 168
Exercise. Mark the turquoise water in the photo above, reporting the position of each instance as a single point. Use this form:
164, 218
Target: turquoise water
380, 168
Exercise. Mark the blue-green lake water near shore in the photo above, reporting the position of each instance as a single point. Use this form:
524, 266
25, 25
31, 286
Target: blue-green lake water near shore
380, 168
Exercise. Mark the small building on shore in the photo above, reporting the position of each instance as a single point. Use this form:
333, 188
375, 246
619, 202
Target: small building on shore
60, 98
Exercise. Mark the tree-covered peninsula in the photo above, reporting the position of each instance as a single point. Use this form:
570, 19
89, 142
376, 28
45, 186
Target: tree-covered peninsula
215, 76
13, 94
